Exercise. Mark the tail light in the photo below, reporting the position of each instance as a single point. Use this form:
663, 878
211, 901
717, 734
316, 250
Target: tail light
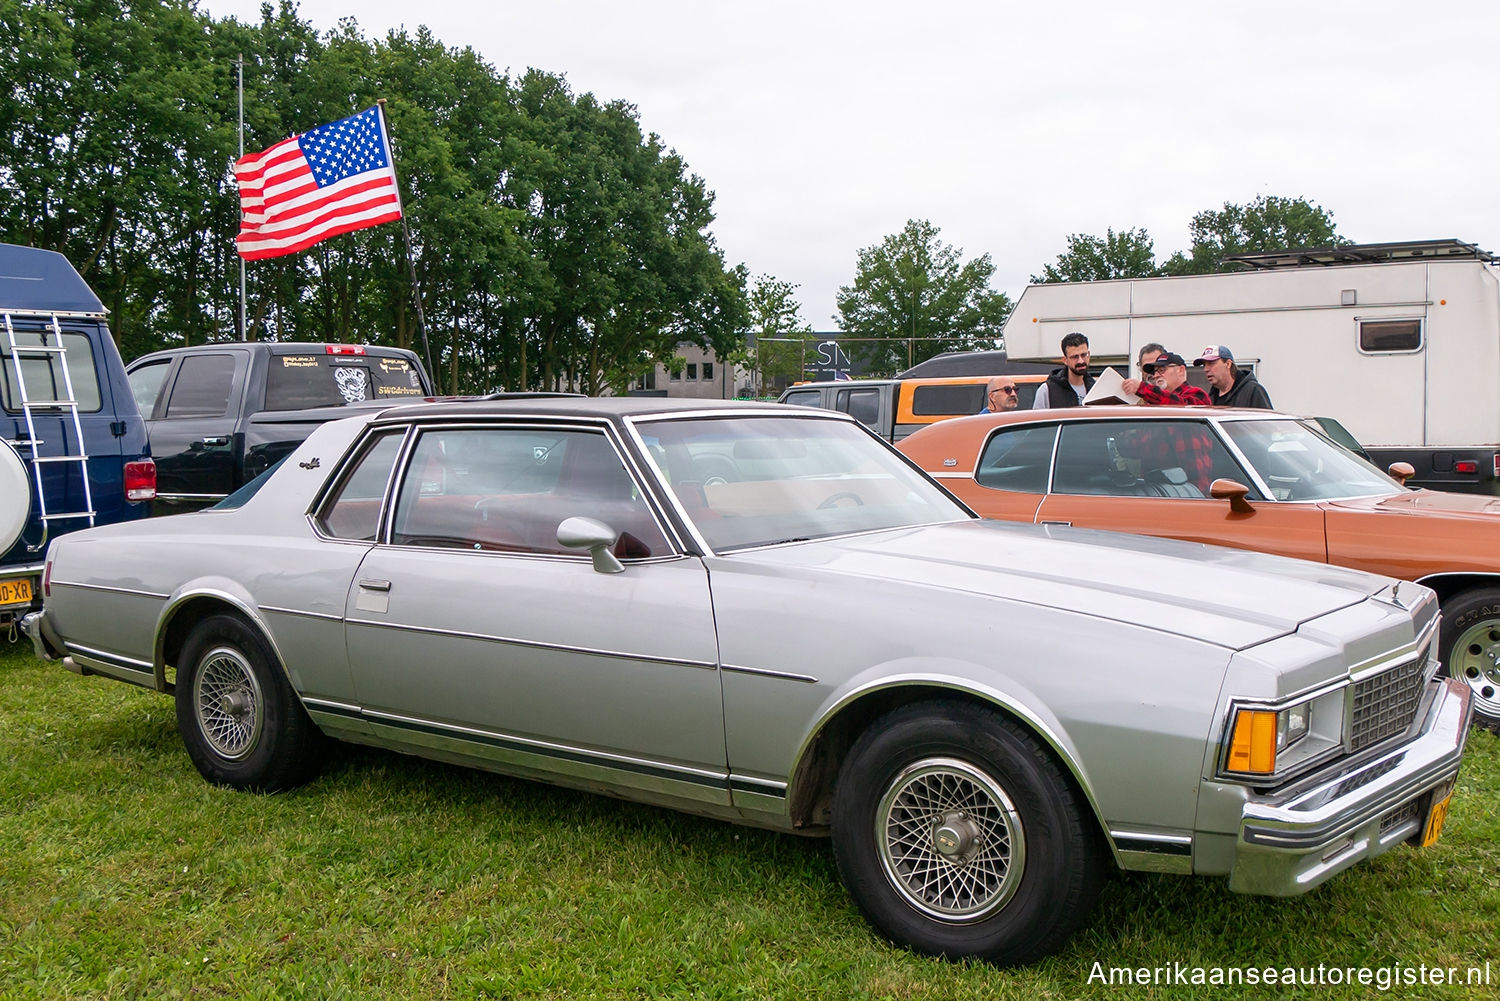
344, 349
1497, 465
47, 580
1466, 466
140, 480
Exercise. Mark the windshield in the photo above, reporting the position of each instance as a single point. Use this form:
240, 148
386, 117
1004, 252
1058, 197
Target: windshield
1300, 463
756, 481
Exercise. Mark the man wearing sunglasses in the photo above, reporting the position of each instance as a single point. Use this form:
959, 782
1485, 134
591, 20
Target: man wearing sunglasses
1001, 395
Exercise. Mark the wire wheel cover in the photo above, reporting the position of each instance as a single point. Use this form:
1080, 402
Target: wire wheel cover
950, 840
228, 703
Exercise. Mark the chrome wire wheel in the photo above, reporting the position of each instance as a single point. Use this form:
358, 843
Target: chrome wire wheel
1476, 659
227, 703
950, 840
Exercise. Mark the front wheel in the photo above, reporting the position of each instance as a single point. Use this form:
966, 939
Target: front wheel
238, 716
1470, 649
959, 835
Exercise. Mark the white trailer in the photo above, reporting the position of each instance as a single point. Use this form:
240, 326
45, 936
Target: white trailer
1399, 342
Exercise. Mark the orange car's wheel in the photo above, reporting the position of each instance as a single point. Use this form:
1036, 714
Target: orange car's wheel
1470, 649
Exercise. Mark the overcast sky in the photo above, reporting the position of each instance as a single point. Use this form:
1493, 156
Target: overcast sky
824, 126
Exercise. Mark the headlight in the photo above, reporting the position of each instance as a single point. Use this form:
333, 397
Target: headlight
1272, 741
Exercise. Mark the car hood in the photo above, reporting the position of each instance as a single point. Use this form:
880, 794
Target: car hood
1426, 503
1227, 597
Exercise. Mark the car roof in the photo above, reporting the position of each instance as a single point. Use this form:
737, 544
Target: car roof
616, 408
1134, 413
278, 348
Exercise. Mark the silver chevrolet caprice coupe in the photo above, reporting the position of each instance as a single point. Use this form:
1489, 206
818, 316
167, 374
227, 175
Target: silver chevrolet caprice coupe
765, 614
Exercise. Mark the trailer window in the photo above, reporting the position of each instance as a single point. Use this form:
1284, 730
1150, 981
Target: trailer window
1386, 336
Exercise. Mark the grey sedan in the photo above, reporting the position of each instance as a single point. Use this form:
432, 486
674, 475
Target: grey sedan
767, 615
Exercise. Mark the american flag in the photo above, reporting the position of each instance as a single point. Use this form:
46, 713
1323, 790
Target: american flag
333, 179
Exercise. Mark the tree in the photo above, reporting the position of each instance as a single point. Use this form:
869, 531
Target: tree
775, 352
1128, 254
913, 297
1266, 224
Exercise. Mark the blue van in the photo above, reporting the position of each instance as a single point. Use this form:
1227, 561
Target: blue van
73, 449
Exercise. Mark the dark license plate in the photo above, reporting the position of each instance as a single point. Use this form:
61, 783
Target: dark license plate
15, 592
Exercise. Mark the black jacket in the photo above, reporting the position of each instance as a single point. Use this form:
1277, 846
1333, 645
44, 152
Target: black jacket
1060, 392
1246, 392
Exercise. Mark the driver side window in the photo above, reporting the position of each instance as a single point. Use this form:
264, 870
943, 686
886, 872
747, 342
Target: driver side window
508, 489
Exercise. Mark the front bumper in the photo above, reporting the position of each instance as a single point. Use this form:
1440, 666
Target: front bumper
1291, 843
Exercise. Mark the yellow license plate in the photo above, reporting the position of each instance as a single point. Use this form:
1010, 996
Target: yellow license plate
15, 592
1437, 815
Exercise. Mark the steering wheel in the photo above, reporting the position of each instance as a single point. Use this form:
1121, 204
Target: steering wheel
832, 501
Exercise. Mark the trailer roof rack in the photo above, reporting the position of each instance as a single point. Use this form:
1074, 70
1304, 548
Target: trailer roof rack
1363, 253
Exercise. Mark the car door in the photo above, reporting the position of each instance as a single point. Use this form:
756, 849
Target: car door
1010, 476
1140, 476
192, 430
472, 630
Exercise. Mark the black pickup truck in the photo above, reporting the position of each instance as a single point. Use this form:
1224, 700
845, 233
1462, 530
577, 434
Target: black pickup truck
219, 415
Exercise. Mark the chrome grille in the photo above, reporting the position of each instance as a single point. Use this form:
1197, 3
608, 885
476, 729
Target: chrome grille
1385, 704
1397, 817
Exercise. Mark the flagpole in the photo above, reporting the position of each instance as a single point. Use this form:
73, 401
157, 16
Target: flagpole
410, 261
240, 63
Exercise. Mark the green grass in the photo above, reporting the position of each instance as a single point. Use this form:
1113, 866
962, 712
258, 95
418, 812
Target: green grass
124, 875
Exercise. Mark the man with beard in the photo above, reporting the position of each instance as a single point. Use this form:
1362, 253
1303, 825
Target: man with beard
1067, 386
1228, 386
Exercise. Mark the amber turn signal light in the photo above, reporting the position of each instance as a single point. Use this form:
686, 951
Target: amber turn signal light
1252, 746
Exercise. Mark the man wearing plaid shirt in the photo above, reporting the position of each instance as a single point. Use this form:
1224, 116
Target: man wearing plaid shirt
1175, 446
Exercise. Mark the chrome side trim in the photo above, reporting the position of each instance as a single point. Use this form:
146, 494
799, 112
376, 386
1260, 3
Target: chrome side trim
345, 708
191, 497
764, 673
537, 644
108, 657
110, 589
548, 749
1151, 852
761, 787
301, 614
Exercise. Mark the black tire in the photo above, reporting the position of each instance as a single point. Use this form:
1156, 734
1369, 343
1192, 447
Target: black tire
1469, 646
243, 725
1000, 830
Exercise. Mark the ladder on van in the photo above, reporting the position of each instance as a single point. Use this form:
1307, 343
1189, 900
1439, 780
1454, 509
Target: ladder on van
52, 349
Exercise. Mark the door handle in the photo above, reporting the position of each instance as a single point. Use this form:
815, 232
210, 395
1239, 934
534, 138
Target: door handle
1064, 524
375, 585
216, 440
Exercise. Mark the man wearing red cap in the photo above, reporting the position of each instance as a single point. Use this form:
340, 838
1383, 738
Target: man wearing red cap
1228, 386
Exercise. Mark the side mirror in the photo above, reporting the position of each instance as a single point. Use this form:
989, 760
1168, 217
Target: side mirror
1401, 472
595, 536
1232, 491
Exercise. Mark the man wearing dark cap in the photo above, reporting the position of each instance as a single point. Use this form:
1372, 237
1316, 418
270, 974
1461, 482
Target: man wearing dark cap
1171, 388
1228, 386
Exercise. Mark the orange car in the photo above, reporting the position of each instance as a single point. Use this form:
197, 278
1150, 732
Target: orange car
1244, 478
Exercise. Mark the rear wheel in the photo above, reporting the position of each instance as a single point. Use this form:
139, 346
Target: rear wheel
958, 834
239, 718
1470, 649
